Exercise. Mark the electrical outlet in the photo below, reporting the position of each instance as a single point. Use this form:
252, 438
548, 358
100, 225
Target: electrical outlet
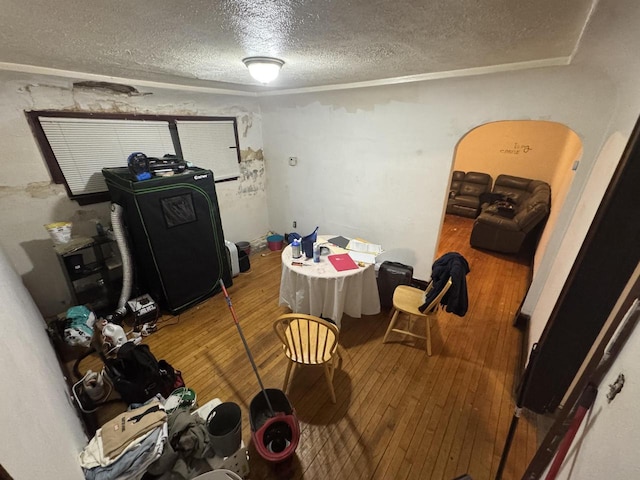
295, 224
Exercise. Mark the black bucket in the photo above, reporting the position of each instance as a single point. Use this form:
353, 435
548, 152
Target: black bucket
224, 425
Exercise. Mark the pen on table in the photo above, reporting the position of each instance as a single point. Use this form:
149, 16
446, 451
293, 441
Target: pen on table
299, 264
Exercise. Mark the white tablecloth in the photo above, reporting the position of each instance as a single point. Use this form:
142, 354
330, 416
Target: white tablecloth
318, 289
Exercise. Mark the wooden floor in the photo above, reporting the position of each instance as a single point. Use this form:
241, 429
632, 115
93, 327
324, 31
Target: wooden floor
399, 414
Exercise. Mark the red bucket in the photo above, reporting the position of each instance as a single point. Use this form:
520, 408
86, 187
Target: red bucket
275, 437
274, 242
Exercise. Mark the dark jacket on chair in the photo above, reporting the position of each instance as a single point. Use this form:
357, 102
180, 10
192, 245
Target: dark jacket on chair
452, 265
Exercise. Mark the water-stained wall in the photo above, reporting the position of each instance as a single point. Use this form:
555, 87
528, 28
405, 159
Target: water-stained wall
29, 199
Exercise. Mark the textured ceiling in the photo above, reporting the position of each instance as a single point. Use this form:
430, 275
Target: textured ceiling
323, 42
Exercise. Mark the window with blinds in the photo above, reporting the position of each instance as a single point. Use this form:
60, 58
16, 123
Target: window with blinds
210, 145
84, 146
77, 146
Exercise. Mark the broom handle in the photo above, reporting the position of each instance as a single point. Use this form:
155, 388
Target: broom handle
246, 347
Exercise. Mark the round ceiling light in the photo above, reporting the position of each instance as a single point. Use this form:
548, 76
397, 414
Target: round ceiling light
263, 69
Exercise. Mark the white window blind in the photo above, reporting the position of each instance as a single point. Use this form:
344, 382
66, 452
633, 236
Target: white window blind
210, 145
83, 147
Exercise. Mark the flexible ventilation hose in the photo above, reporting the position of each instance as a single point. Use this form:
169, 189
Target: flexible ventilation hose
127, 271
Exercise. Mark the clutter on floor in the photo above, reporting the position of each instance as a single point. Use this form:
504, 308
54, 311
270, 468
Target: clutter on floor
162, 435
144, 310
129, 369
127, 445
160, 444
230, 434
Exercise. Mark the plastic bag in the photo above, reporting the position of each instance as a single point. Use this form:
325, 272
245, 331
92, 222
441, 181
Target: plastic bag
79, 326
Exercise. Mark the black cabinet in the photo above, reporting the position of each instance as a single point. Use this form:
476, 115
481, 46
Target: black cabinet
92, 268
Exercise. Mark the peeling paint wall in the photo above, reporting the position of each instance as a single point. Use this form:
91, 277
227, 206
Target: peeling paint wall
252, 172
29, 200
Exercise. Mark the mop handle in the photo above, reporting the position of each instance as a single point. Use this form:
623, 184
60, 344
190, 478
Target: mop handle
246, 347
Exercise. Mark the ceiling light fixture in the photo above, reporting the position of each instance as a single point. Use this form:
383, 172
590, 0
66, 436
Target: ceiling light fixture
263, 69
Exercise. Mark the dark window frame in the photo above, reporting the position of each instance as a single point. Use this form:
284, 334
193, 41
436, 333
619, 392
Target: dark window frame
57, 176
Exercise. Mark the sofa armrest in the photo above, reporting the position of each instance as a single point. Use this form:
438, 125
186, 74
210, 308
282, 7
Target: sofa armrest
498, 221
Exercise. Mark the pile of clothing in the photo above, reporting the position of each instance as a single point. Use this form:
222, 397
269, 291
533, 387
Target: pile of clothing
145, 440
124, 447
188, 445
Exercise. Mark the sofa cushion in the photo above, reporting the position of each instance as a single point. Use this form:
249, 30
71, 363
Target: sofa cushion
513, 183
509, 194
478, 177
473, 189
513, 188
475, 183
467, 201
502, 208
539, 196
465, 191
457, 176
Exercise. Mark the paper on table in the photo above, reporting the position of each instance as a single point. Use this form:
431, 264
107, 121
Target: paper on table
364, 247
362, 257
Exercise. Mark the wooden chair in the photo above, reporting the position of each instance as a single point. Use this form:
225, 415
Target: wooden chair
407, 300
308, 340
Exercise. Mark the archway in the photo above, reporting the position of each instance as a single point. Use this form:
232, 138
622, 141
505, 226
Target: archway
536, 149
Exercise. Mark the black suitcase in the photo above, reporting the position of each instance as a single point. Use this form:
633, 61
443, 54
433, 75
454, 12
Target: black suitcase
390, 275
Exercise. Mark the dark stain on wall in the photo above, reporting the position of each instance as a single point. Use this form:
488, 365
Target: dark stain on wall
109, 87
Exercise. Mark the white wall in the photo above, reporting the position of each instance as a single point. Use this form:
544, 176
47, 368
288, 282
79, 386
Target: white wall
375, 162
41, 433
29, 200
609, 45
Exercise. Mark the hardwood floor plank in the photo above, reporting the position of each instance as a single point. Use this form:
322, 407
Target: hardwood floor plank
399, 414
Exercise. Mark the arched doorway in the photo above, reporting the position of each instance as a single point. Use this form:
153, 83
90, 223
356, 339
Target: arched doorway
536, 149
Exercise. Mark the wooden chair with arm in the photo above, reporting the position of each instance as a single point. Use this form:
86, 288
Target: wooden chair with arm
406, 300
308, 340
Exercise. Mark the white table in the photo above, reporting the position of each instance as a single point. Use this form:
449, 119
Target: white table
319, 289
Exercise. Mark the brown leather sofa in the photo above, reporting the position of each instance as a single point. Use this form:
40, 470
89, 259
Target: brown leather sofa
465, 191
519, 207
